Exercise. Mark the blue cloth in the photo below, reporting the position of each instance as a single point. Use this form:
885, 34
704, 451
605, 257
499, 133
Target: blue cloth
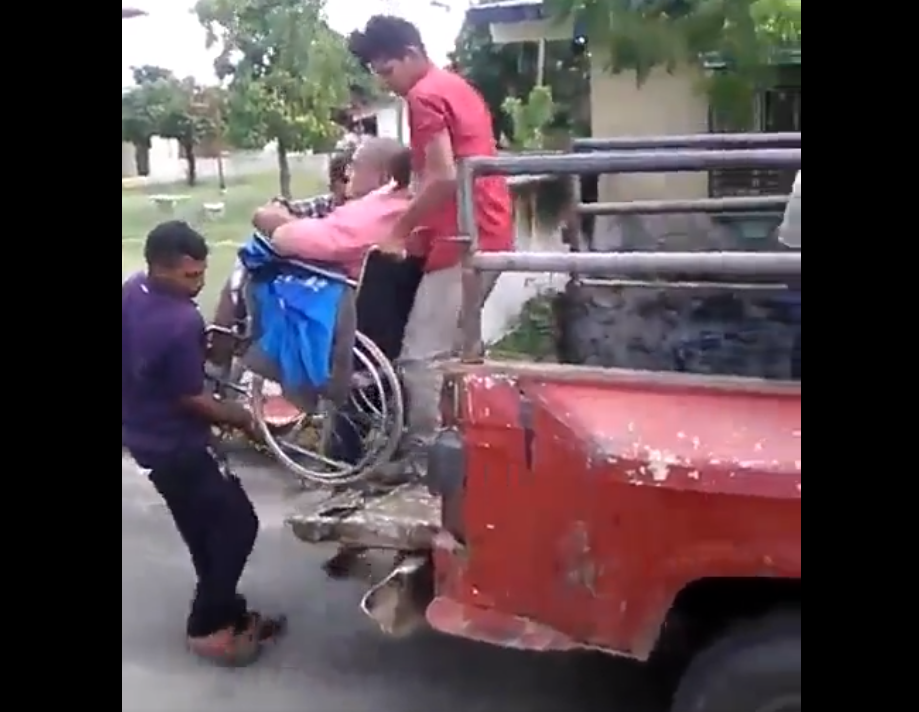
297, 311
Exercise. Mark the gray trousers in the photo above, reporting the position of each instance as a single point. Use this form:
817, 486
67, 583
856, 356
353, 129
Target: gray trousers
432, 334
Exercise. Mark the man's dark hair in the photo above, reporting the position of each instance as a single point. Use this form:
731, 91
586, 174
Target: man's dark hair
385, 37
339, 165
170, 241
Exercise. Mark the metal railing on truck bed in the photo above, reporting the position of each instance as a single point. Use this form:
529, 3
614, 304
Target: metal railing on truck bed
701, 142
627, 156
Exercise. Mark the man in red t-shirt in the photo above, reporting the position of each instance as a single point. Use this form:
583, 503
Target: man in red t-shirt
448, 120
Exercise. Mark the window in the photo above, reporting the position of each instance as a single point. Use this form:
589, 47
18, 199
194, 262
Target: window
776, 110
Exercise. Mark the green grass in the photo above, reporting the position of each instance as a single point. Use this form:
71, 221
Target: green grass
139, 215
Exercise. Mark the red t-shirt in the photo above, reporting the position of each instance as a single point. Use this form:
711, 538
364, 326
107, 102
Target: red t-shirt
444, 100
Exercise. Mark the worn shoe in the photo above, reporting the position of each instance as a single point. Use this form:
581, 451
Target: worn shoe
228, 647
408, 468
267, 629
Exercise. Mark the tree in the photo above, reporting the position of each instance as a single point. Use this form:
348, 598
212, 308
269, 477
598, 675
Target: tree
287, 70
503, 71
639, 35
492, 69
193, 114
530, 118
142, 109
161, 104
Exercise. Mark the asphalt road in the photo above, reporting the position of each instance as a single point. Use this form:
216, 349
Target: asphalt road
333, 660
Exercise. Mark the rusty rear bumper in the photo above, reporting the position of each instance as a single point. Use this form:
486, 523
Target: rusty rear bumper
404, 519
384, 540
423, 578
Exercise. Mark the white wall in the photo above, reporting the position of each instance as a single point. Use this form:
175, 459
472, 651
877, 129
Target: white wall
128, 161
392, 122
667, 103
167, 167
514, 289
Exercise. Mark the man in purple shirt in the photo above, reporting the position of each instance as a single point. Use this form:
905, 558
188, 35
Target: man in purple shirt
166, 419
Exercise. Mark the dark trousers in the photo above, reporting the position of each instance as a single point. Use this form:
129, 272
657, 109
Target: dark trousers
351, 428
384, 303
218, 523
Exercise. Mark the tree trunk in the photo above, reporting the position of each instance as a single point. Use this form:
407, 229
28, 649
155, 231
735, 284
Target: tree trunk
142, 157
221, 176
283, 171
191, 163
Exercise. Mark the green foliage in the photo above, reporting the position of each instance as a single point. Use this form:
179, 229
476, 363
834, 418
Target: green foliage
646, 34
493, 69
533, 336
500, 71
193, 114
530, 118
287, 70
145, 104
161, 104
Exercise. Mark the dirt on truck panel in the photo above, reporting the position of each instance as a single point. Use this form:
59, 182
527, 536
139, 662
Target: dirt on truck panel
743, 442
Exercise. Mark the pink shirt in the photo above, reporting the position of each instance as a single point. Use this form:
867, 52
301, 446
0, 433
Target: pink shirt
345, 236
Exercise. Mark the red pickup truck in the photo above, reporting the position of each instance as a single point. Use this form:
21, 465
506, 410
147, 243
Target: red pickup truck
570, 507
573, 507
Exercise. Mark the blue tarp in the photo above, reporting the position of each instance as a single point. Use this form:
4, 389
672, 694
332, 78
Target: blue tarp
296, 310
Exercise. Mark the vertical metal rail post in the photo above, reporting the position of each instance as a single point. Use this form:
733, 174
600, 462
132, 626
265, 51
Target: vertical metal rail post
626, 264
473, 347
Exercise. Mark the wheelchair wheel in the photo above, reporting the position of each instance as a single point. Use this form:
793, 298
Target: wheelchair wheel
375, 409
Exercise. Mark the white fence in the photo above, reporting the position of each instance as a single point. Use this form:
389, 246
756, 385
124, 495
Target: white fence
167, 167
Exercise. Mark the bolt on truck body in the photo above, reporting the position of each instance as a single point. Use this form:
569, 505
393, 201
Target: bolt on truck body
572, 507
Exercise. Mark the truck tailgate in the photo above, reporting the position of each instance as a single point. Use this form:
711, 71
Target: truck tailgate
405, 519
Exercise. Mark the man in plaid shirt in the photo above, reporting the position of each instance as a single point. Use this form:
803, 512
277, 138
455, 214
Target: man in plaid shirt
321, 205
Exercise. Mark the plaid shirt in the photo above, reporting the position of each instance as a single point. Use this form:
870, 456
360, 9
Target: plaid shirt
317, 207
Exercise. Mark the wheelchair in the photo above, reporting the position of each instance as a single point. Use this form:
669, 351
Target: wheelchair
306, 442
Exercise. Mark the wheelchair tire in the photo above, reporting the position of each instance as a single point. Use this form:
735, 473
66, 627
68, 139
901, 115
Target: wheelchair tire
327, 472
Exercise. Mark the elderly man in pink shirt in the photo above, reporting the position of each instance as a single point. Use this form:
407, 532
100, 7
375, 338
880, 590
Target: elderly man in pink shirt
344, 238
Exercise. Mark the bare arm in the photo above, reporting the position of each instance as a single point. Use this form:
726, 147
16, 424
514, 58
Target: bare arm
269, 218
218, 412
185, 365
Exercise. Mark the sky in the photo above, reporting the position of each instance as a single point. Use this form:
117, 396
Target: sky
170, 36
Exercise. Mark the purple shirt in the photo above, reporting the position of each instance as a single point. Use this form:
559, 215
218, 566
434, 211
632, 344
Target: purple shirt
162, 361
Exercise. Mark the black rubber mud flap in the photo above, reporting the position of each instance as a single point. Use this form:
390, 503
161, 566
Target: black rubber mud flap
405, 518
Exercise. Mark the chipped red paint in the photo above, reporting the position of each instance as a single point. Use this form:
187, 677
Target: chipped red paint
488, 626
590, 505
